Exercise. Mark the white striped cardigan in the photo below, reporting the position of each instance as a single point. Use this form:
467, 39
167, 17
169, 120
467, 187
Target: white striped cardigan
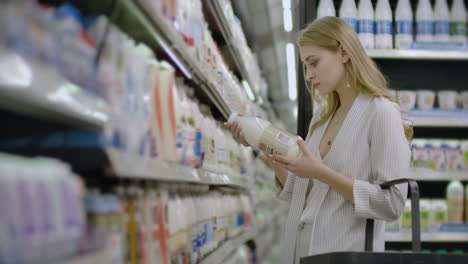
371, 148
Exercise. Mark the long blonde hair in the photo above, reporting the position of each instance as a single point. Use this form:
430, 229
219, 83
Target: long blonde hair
362, 73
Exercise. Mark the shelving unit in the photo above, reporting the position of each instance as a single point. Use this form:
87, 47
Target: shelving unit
220, 254
432, 175
427, 237
417, 54
32, 88
220, 18
128, 166
102, 256
439, 118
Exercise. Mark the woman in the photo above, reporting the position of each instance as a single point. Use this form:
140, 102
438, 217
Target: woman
356, 141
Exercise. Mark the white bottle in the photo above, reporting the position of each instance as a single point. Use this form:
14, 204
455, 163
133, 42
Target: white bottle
424, 21
424, 214
326, 8
263, 135
348, 12
441, 21
458, 19
455, 202
404, 25
383, 21
466, 204
366, 27
438, 214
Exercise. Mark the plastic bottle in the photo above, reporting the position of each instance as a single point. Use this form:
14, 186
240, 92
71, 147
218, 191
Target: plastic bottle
458, 19
437, 154
466, 204
424, 21
404, 25
366, 27
455, 202
348, 12
406, 217
384, 25
326, 8
263, 135
464, 146
438, 214
453, 154
441, 21
424, 214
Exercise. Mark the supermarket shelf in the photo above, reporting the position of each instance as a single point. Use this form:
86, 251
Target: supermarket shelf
417, 54
217, 12
157, 30
427, 237
99, 257
439, 118
432, 175
228, 247
35, 89
130, 166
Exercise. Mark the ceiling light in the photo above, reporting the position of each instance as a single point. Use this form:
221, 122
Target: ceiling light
291, 64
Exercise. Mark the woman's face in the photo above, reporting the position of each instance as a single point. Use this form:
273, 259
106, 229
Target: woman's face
323, 68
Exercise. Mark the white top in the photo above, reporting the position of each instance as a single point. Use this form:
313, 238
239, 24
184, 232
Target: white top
371, 148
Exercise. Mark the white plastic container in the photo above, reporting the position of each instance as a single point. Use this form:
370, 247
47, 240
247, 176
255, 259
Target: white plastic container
447, 99
424, 21
455, 202
407, 99
263, 135
424, 214
404, 25
453, 154
466, 204
464, 100
437, 154
438, 214
366, 26
464, 147
326, 8
458, 19
425, 99
441, 21
384, 25
406, 217
348, 12
420, 153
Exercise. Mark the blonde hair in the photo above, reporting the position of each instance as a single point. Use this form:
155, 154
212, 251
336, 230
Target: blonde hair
363, 74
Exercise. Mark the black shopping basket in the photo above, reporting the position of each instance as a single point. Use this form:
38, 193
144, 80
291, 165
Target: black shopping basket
369, 257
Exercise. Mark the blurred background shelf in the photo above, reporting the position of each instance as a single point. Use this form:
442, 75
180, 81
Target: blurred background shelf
417, 54
34, 89
220, 254
432, 175
427, 237
439, 118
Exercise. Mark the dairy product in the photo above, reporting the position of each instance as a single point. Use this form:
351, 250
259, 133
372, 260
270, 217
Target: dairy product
425, 99
447, 99
441, 21
424, 21
348, 12
458, 19
464, 147
437, 154
407, 99
464, 99
326, 8
366, 24
438, 214
420, 154
384, 25
455, 202
424, 214
263, 135
453, 154
404, 25
406, 217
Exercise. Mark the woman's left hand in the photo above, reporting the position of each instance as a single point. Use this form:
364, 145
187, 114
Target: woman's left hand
306, 166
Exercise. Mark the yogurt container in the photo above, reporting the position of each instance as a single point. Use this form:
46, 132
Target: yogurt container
425, 99
447, 99
464, 100
407, 99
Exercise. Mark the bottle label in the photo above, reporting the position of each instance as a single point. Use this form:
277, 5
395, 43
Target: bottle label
384, 27
442, 27
366, 26
352, 22
424, 215
424, 27
440, 217
404, 27
457, 28
406, 220
275, 141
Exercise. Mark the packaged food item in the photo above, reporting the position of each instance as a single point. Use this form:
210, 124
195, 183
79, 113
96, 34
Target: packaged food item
455, 202
437, 154
447, 99
425, 99
424, 214
453, 154
262, 135
420, 156
407, 99
438, 214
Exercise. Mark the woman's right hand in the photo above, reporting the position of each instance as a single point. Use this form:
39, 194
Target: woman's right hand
280, 172
236, 131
